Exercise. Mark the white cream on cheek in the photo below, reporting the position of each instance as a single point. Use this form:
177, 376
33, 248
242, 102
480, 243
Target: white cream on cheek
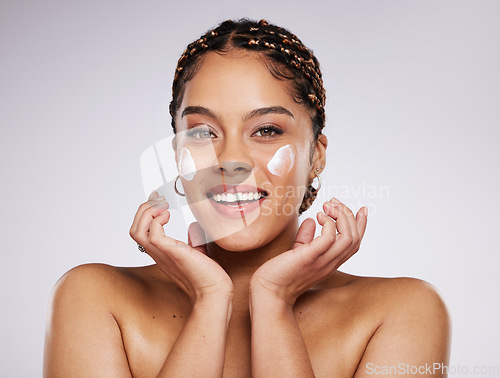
185, 164
282, 161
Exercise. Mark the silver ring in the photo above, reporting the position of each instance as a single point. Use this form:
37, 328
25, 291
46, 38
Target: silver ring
141, 248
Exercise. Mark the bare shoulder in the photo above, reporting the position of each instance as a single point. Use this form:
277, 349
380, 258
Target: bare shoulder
371, 322
97, 282
96, 286
86, 278
81, 325
395, 293
89, 315
398, 289
405, 318
101, 279
400, 292
391, 300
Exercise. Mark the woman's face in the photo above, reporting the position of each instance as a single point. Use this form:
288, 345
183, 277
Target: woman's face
242, 150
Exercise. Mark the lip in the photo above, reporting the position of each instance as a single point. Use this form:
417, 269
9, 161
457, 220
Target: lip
242, 209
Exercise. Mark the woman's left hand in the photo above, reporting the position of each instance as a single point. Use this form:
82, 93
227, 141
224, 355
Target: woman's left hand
310, 261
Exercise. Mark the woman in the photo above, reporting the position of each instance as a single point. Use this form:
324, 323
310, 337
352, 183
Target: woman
252, 293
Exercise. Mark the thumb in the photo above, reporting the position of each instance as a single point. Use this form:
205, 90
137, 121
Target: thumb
305, 234
196, 237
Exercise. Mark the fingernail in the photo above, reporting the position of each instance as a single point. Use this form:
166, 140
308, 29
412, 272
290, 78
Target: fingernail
365, 211
154, 194
331, 204
160, 203
335, 200
156, 200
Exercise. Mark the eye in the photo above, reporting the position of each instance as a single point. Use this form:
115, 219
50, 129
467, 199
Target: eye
200, 132
268, 131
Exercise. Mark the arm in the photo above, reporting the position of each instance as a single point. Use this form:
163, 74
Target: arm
200, 348
278, 348
414, 338
83, 338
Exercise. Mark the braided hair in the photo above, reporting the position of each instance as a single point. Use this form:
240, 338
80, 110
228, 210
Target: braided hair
285, 56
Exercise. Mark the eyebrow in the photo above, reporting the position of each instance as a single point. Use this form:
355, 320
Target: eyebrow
198, 110
254, 113
269, 110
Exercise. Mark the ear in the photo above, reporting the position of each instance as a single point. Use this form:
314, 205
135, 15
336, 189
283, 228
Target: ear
319, 157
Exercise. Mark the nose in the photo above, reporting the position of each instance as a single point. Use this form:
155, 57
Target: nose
234, 160
234, 168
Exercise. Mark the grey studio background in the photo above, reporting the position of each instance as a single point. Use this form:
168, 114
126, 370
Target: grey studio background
413, 91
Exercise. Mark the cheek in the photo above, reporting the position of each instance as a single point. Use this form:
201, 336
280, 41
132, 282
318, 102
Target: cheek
282, 161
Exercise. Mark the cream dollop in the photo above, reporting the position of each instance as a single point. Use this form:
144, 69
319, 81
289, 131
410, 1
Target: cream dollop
186, 165
282, 161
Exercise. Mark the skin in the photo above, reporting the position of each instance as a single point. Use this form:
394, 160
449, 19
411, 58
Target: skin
263, 300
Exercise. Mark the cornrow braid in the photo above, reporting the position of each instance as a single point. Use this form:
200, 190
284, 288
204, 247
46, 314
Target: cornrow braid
287, 58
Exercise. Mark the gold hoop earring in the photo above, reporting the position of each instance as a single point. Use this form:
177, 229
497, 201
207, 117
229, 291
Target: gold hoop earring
319, 183
175, 187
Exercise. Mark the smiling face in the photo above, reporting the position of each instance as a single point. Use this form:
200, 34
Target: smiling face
243, 150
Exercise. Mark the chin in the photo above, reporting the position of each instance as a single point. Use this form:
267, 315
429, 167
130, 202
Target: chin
240, 242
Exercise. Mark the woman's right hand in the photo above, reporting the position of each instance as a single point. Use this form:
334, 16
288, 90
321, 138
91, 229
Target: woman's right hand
186, 264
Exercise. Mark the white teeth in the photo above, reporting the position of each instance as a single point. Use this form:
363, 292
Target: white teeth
235, 197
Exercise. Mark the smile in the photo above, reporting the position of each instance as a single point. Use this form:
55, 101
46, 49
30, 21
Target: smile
233, 200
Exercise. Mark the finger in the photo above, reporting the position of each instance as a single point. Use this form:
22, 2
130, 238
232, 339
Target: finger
305, 234
336, 251
160, 241
357, 224
154, 200
196, 237
344, 243
329, 226
322, 243
343, 257
141, 234
349, 216
335, 211
327, 238
143, 207
362, 220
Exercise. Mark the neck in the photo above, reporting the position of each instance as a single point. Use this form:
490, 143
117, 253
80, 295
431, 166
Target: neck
241, 265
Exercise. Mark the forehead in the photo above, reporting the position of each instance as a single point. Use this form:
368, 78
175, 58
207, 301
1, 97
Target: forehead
238, 81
